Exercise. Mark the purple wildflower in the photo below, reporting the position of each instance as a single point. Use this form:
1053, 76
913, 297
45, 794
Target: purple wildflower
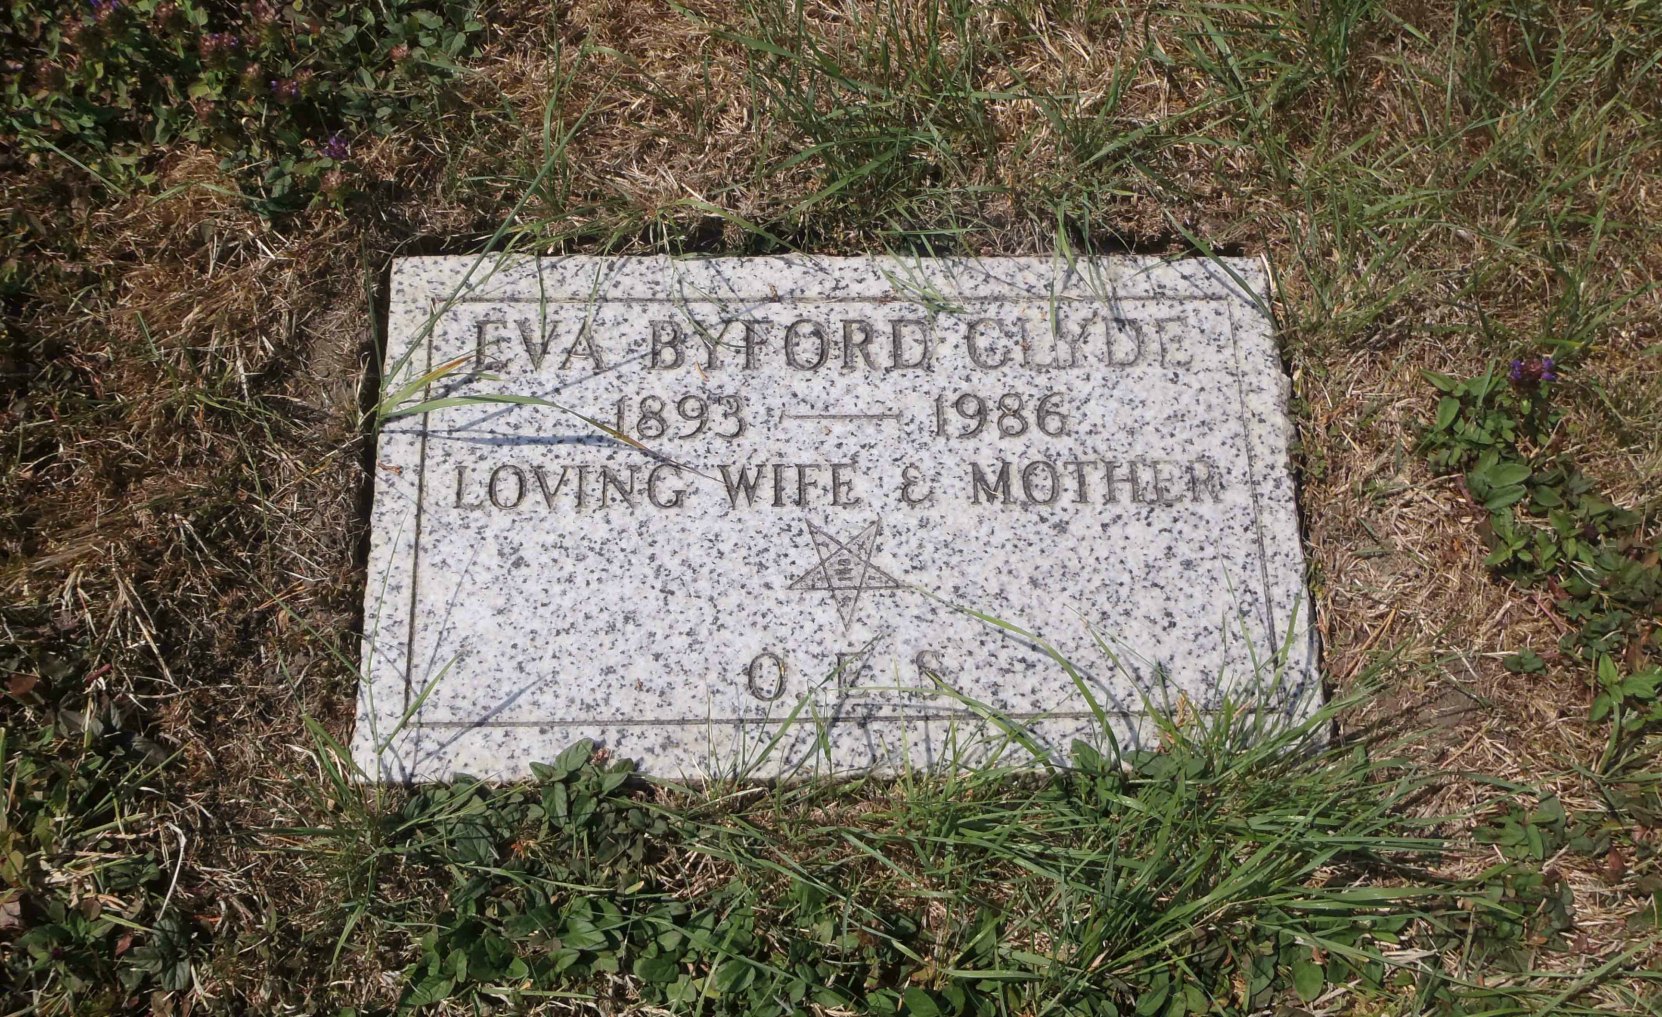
215, 46
1531, 372
336, 147
102, 10
285, 89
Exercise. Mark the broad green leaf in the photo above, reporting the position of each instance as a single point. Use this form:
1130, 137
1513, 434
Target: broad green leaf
917, 1003
1308, 979
573, 758
661, 968
580, 934
427, 992
1443, 382
1551, 810
1154, 997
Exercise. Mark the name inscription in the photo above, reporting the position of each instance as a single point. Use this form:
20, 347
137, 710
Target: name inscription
835, 343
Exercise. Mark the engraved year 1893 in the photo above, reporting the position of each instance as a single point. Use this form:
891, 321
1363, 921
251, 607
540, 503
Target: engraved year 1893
652, 417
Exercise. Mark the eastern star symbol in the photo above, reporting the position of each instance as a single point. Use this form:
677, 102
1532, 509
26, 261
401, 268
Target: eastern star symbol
845, 569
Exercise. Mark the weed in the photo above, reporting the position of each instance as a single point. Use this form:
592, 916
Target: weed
91, 904
279, 90
1183, 881
1548, 526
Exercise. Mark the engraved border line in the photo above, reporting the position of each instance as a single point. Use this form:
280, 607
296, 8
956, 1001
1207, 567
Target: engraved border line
1257, 479
684, 722
1252, 470
770, 298
415, 542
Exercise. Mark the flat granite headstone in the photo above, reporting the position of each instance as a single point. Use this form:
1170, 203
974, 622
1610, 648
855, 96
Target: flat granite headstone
771, 516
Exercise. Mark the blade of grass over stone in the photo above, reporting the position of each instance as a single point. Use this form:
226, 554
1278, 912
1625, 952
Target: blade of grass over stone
383, 742
395, 404
1012, 730
747, 767
510, 399
1085, 693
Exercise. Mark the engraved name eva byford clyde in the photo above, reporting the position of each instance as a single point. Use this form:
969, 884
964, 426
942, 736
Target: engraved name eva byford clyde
773, 513
879, 342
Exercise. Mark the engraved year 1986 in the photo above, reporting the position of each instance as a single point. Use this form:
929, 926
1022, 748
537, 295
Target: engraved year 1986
1009, 415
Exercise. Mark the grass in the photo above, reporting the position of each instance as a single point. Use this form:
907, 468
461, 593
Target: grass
1436, 185
1237, 863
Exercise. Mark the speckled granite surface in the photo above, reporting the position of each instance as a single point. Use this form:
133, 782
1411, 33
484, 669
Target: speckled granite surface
754, 515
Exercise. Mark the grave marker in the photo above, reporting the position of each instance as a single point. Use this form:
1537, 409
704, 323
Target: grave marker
731, 493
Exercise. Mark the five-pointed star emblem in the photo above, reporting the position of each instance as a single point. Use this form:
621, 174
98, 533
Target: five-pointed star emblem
845, 569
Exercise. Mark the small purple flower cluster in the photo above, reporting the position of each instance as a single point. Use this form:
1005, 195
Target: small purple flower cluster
285, 89
336, 147
217, 46
103, 10
1531, 372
